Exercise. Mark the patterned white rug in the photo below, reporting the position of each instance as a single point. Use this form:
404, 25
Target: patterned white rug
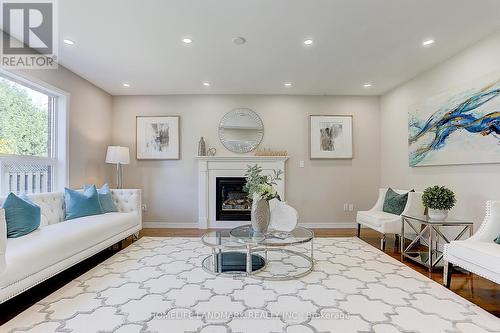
157, 285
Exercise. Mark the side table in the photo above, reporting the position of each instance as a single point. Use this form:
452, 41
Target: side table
429, 235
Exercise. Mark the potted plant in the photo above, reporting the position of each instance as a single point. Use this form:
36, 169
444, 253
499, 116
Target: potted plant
260, 188
438, 200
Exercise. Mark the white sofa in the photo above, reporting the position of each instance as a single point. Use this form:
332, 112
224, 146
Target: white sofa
57, 244
387, 223
478, 254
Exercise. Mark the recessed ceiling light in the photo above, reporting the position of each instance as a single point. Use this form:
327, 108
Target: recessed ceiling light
428, 42
206, 84
187, 40
68, 42
308, 42
239, 40
126, 85
287, 84
367, 85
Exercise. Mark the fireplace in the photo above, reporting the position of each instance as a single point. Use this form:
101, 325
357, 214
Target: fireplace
232, 204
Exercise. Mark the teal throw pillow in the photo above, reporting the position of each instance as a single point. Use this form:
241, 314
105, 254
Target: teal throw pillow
79, 204
394, 202
105, 198
497, 240
21, 214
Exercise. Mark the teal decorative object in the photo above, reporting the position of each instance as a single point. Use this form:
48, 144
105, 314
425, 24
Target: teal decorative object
395, 203
79, 204
105, 198
497, 240
22, 215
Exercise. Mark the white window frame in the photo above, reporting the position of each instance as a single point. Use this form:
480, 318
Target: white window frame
60, 141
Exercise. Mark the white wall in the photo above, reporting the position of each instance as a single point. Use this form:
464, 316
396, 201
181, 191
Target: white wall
472, 183
90, 124
318, 191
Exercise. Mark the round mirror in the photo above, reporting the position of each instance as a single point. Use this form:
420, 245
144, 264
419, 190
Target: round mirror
241, 130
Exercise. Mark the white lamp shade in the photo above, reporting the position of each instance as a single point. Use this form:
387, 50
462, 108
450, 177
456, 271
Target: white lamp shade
117, 155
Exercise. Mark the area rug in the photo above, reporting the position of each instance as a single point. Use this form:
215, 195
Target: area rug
158, 285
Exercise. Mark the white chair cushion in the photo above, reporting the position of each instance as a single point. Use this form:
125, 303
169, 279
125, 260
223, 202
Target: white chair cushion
375, 218
48, 245
484, 254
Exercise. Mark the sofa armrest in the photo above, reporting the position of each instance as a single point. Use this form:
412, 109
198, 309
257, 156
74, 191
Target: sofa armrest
127, 200
3, 239
414, 206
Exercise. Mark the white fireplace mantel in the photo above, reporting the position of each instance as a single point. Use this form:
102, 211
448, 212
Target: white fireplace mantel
211, 167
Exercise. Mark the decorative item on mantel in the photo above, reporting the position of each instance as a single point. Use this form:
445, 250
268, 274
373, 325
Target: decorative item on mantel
438, 200
202, 149
261, 189
211, 151
269, 152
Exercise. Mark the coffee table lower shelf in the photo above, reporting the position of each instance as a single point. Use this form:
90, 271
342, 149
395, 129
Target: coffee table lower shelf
234, 263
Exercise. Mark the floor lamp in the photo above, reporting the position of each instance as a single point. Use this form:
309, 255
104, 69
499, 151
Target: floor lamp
119, 156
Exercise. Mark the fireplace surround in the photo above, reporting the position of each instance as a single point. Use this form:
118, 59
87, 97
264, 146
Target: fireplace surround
212, 167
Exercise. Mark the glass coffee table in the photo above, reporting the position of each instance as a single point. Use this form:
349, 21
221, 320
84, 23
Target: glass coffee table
271, 256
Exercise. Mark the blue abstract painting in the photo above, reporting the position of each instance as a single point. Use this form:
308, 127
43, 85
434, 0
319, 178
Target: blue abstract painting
458, 127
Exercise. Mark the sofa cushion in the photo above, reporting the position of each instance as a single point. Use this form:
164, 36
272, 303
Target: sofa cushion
395, 203
22, 215
375, 218
484, 254
82, 204
48, 245
105, 198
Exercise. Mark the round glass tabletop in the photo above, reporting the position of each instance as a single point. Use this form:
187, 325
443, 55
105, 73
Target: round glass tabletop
245, 234
220, 239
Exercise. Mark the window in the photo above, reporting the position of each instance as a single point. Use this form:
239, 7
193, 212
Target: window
33, 145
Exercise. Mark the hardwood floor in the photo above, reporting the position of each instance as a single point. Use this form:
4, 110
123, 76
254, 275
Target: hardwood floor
482, 292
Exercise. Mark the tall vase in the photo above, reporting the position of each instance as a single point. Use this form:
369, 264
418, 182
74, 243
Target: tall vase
261, 215
202, 150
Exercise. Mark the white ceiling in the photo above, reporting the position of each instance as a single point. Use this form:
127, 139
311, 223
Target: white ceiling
355, 41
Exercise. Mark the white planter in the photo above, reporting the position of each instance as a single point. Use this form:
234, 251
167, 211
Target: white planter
437, 214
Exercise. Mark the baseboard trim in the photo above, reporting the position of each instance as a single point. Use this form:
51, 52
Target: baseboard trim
329, 225
194, 225
170, 225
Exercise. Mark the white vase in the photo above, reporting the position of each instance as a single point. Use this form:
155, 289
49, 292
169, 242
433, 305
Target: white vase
283, 217
437, 214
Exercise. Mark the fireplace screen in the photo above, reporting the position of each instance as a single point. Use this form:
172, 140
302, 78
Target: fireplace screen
232, 203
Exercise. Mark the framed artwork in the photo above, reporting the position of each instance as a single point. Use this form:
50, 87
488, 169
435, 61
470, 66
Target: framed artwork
459, 126
157, 137
330, 137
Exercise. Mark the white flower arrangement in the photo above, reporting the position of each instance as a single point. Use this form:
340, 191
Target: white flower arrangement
261, 186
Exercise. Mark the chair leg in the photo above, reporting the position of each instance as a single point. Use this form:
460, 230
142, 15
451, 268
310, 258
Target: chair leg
447, 272
359, 230
396, 242
382, 242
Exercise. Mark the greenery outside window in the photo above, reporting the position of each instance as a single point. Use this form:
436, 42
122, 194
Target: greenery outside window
33, 144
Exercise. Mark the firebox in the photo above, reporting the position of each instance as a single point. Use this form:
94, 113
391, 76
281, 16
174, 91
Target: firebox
232, 203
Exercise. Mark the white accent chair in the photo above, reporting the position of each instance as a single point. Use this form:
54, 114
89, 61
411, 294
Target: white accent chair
387, 223
57, 244
478, 254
